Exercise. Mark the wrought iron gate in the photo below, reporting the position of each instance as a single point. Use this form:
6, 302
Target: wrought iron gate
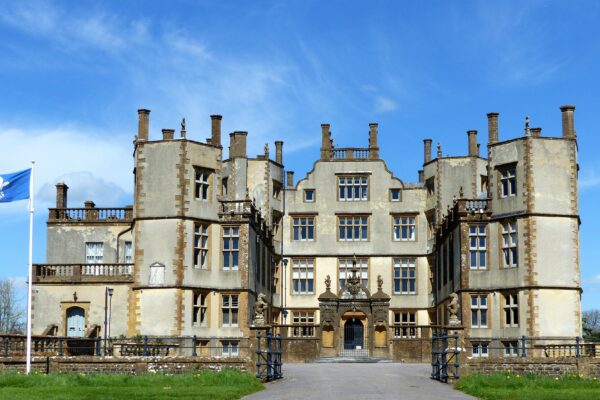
354, 337
444, 355
268, 356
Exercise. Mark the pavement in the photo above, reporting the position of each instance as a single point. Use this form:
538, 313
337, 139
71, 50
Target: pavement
357, 381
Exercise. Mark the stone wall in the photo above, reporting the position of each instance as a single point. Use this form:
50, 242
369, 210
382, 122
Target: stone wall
411, 350
552, 367
129, 365
299, 350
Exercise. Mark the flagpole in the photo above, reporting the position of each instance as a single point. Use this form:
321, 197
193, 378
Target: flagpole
30, 280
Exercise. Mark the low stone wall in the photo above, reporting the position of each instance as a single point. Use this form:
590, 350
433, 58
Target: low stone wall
299, 350
124, 365
411, 350
545, 366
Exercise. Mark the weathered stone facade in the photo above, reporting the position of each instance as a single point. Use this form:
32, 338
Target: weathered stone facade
206, 235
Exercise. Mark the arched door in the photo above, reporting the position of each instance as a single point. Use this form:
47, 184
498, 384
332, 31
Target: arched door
75, 322
353, 334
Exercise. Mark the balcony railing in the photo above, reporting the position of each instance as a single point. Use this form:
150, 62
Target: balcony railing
351, 153
82, 273
90, 214
236, 207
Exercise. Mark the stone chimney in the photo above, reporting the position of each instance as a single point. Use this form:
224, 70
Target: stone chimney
536, 132
325, 142
421, 176
373, 147
492, 127
290, 179
143, 124
473, 151
427, 148
168, 134
279, 152
61, 195
237, 144
216, 130
89, 204
568, 122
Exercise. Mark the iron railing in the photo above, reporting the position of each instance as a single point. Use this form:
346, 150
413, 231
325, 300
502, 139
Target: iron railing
445, 351
268, 356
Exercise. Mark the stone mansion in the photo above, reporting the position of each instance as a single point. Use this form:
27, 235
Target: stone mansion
349, 256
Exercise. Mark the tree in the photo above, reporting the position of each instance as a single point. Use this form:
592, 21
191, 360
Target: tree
591, 323
12, 315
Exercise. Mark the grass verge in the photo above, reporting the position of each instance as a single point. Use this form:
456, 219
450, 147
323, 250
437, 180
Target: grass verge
529, 387
224, 385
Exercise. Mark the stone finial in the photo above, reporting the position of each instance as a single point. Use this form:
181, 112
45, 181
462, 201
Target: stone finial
439, 150
379, 282
183, 132
527, 129
328, 283
461, 193
266, 151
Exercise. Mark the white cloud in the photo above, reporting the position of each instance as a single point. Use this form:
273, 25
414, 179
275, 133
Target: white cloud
593, 280
67, 152
84, 186
384, 104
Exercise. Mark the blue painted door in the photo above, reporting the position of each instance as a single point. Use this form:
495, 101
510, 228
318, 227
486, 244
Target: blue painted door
75, 322
353, 334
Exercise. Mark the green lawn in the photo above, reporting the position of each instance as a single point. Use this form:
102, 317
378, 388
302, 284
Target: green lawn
223, 385
529, 387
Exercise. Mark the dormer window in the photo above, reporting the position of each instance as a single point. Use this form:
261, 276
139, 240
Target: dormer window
309, 195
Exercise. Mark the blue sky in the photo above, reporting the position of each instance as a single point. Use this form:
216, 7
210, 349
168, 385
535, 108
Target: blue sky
73, 74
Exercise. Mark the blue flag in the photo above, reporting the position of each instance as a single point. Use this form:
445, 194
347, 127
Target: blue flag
15, 186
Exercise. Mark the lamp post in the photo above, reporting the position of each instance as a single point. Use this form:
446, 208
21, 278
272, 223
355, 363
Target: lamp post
284, 311
108, 292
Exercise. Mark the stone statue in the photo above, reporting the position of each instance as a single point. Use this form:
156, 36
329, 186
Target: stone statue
328, 282
183, 128
267, 150
260, 306
379, 282
453, 308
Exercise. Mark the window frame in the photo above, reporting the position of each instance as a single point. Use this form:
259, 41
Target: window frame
202, 236
512, 248
307, 226
308, 271
399, 225
405, 324
478, 249
201, 309
301, 329
511, 348
203, 188
231, 250
398, 265
97, 258
399, 199
314, 195
507, 173
353, 184
480, 310
230, 344
230, 311
511, 310
480, 346
353, 226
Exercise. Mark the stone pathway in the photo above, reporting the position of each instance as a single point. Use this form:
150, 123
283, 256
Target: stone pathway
357, 381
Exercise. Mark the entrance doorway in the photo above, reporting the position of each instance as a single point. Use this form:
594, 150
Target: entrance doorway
75, 322
354, 334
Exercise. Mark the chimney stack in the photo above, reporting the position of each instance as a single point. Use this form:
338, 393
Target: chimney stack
421, 176
143, 124
536, 132
473, 151
427, 145
216, 130
168, 134
61, 195
325, 142
373, 147
290, 179
89, 204
492, 127
279, 152
568, 122
237, 144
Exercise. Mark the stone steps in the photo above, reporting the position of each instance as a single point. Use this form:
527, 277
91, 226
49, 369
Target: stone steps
334, 360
